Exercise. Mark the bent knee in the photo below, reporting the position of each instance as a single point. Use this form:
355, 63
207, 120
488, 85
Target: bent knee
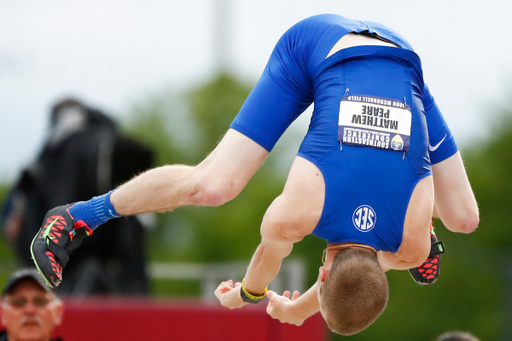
414, 253
215, 192
465, 222
415, 259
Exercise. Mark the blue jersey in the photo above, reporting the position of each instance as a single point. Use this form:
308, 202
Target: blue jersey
372, 123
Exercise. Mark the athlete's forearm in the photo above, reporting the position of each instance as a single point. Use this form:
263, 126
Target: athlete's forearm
265, 265
307, 304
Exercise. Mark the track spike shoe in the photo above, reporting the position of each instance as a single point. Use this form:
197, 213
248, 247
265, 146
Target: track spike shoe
428, 272
55, 241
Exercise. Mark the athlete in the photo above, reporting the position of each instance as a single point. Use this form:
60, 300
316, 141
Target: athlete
363, 179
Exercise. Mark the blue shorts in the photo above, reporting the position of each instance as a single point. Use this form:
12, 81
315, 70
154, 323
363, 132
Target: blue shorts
370, 171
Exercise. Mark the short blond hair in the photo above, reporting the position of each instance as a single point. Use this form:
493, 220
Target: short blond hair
355, 292
457, 336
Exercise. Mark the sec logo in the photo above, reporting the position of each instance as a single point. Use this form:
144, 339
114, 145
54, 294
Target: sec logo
364, 218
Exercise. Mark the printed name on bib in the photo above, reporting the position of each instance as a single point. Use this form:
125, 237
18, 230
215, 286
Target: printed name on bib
377, 122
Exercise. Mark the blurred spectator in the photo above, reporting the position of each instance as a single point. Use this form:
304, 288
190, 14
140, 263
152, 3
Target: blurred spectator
457, 336
84, 155
30, 310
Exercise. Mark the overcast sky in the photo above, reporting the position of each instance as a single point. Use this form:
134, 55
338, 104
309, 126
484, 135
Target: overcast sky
116, 53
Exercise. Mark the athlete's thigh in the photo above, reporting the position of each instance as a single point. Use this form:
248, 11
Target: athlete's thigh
235, 159
454, 199
416, 239
296, 212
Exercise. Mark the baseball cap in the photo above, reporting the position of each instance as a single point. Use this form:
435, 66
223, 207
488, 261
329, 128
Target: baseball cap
22, 274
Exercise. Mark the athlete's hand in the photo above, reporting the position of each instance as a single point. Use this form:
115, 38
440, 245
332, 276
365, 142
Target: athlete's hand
282, 307
229, 295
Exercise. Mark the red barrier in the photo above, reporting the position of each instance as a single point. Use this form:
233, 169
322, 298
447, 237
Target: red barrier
133, 319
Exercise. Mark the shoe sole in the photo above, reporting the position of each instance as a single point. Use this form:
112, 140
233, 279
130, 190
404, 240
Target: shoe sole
35, 262
421, 283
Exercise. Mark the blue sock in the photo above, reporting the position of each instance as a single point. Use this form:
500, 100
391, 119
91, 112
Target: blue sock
95, 211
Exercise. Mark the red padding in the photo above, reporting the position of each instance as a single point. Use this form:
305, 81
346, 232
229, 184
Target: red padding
142, 319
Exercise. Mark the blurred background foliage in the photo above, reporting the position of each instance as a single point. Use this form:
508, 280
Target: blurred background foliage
473, 293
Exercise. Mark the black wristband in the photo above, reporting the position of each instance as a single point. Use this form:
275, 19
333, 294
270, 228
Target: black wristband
248, 297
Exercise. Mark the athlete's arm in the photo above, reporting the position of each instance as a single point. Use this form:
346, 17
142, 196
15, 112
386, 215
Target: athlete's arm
292, 216
295, 309
264, 267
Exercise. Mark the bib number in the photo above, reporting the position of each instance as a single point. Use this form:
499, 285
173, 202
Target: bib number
368, 121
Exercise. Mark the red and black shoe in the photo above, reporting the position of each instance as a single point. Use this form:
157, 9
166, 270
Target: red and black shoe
55, 241
428, 272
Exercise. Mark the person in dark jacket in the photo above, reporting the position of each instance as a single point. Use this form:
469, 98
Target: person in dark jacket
84, 155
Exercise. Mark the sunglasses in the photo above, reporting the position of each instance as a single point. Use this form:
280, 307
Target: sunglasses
21, 302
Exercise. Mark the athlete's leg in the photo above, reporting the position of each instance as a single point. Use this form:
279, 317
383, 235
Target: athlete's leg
455, 203
219, 178
216, 180
293, 215
415, 245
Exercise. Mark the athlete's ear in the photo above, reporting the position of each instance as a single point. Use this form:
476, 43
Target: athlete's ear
322, 275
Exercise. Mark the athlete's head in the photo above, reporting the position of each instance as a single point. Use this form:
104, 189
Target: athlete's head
354, 292
457, 336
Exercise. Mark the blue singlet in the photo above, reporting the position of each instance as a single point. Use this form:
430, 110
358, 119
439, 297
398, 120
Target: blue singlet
372, 123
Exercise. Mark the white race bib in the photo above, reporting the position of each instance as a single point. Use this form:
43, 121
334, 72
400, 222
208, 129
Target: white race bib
369, 121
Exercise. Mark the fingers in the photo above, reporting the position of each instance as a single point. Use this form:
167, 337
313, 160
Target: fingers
227, 284
223, 288
295, 295
270, 307
271, 295
276, 307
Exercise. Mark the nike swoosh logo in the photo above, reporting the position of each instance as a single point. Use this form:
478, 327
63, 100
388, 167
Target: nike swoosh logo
434, 148
48, 229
